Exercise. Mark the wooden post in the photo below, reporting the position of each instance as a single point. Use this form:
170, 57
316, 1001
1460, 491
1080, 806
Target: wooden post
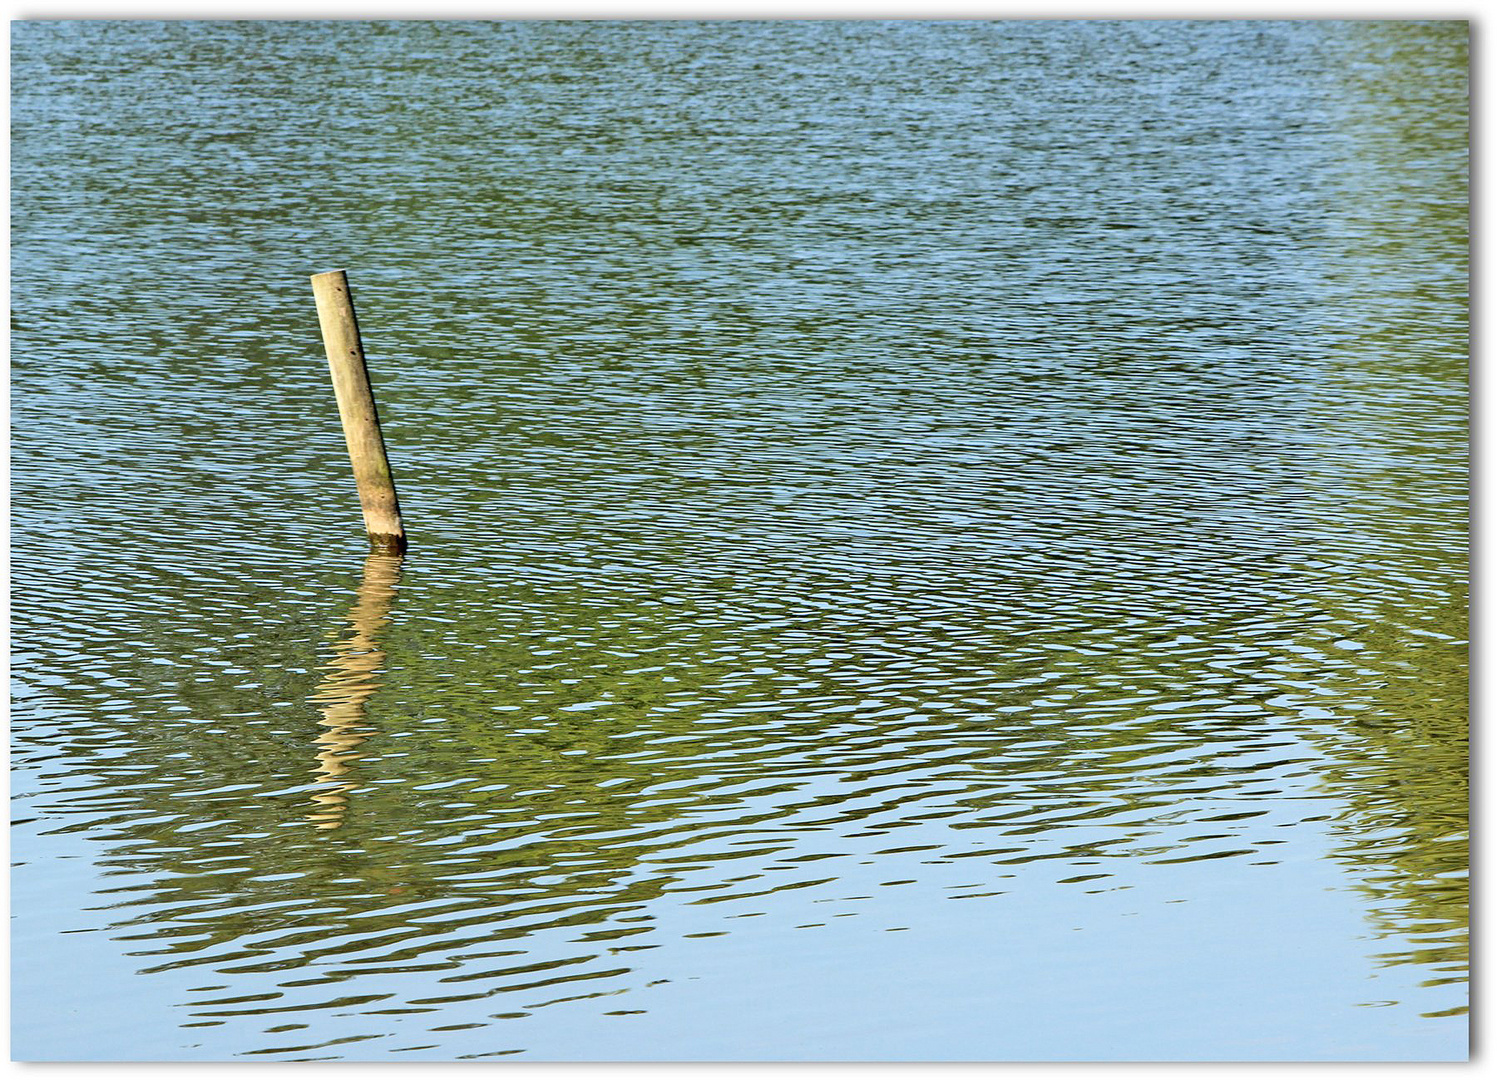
366, 446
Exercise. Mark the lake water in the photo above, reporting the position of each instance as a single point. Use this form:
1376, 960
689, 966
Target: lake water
929, 541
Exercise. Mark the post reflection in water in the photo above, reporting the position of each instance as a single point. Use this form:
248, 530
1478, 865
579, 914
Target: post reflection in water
351, 681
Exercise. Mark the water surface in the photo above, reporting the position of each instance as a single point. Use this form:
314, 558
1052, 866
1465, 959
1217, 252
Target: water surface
929, 541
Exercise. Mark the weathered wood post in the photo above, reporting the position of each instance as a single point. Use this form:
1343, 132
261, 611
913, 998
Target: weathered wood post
366, 446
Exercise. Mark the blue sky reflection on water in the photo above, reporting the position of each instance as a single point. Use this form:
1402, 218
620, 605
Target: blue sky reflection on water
1066, 959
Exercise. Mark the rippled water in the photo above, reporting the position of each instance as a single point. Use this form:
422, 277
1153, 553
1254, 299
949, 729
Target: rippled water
929, 541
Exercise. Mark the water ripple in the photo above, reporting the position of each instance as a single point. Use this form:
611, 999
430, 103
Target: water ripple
850, 467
